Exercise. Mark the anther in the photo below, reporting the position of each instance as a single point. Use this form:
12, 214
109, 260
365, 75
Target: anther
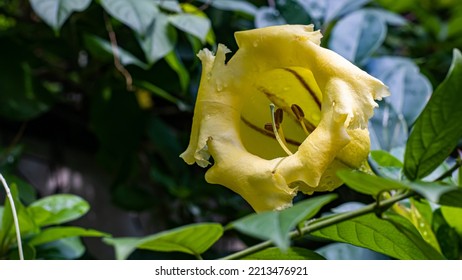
300, 115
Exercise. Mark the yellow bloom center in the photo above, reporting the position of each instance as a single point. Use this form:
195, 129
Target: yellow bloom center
317, 126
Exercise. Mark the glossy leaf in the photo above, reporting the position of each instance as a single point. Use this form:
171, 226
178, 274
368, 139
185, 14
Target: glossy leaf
137, 14
381, 236
191, 239
276, 225
388, 128
336, 8
453, 216
195, 25
235, 5
293, 253
439, 193
55, 233
410, 89
56, 12
58, 209
98, 45
160, 39
386, 164
356, 44
437, 130
368, 184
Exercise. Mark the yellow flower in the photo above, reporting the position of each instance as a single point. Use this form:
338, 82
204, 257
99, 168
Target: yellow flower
324, 104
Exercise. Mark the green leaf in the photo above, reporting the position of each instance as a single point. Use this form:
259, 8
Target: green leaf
453, 216
191, 239
56, 12
58, 209
160, 39
175, 63
381, 236
171, 5
437, 130
55, 233
336, 9
100, 47
195, 25
368, 184
422, 222
438, 193
235, 5
137, 14
268, 16
159, 92
386, 164
356, 44
63, 249
292, 253
276, 225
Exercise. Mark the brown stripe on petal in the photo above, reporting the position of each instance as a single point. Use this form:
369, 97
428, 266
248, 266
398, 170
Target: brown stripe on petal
265, 132
305, 85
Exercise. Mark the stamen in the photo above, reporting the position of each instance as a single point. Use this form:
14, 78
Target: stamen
300, 115
278, 132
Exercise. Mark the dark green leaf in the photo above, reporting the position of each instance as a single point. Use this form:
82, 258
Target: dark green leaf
276, 225
175, 63
449, 242
63, 249
292, 253
99, 46
54, 233
437, 130
293, 11
56, 12
137, 14
160, 39
381, 236
58, 209
368, 184
191, 239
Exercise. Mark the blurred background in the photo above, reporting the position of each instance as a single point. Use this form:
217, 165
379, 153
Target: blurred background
97, 97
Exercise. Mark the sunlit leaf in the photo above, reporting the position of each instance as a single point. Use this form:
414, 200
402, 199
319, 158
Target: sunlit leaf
382, 236
58, 209
293, 253
54, 233
453, 216
137, 14
56, 12
276, 225
368, 184
191, 239
437, 130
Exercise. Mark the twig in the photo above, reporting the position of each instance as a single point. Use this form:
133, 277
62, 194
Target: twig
317, 225
115, 52
15, 216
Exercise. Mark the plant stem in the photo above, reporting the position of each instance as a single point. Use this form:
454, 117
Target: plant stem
450, 170
379, 207
15, 216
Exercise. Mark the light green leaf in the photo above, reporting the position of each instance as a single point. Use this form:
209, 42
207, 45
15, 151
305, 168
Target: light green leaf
54, 233
386, 164
58, 209
160, 39
191, 239
453, 216
137, 14
195, 25
381, 236
56, 12
276, 225
97, 44
368, 184
292, 253
171, 5
437, 130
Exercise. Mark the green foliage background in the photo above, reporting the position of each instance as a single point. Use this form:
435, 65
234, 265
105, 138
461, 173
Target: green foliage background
96, 100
